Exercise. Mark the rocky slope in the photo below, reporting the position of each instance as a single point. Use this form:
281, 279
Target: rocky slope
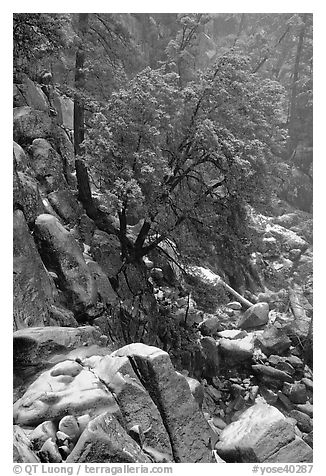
116, 363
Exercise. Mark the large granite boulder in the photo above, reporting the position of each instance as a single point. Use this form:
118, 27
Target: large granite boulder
66, 206
188, 430
26, 196
33, 291
62, 255
32, 95
136, 406
255, 316
31, 124
36, 345
47, 165
66, 389
105, 441
260, 432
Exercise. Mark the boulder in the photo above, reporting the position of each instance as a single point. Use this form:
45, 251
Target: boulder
210, 326
308, 439
36, 345
297, 451
66, 389
33, 293
255, 316
106, 251
267, 372
188, 430
41, 434
136, 406
304, 422
105, 291
21, 161
280, 363
260, 431
22, 452
105, 441
31, 124
232, 334
62, 255
306, 408
238, 350
33, 95
26, 197
197, 390
47, 166
65, 110
296, 392
49, 453
210, 352
288, 239
69, 425
66, 206
273, 341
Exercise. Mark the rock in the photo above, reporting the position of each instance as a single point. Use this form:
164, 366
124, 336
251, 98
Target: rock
268, 395
280, 363
33, 95
55, 394
105, 441
211, 355
83, 421
66, 206
273, 341
48, 166
210, 326
34, 346
232, 334
295, 361
308, 439
69, 425
106, 251
260, 431
188, 430
308, 383
62, 255
304, 422
62, 439
22, 452
236, 351
33, 293
104, 288
21, 161
62, 317
288, 239
26, 197
255, 316
297, 451
41, 434
31, 124
235, 305
215, 394
306, 408
219, 423
49, 453
65, 109
296, 392
196, 389
136, 406
287, 404
272, 373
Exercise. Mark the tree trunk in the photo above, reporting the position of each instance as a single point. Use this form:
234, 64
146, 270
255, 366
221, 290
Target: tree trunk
294, 90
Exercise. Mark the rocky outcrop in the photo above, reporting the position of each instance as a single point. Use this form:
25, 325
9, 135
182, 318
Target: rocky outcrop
47, 166
33, 292
187, 428
30, 124
62, 255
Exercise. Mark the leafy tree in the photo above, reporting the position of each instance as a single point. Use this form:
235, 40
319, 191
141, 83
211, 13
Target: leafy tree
189, 158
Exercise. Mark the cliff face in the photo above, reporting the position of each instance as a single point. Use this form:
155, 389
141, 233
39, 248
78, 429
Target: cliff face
90, 375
